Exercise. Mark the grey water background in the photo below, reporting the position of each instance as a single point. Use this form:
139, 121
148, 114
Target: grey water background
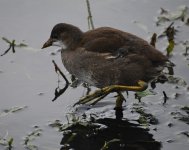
27, 78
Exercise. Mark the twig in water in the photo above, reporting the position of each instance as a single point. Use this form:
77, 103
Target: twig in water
61, 73
11, 45
59, 91
165, 97
153, 40
89, 18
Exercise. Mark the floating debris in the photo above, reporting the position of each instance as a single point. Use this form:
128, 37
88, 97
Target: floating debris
176, 95
180, 14
12, 45
145, 118
170, 124
7, 141
11, 110
180, 116
140, 95
185, 46
186, 133
170, 32
31, 137
41, 94
176, 80
56, 124
170, 141
109, 143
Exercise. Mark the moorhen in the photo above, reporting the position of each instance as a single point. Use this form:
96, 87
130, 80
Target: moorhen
107, 58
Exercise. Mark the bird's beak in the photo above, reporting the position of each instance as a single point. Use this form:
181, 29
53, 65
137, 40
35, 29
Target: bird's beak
48, 43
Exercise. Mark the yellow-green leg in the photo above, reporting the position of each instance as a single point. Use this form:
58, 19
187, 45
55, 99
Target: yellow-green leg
101, 93
118, 108
119, 100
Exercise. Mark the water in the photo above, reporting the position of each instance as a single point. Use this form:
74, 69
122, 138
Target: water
27, 78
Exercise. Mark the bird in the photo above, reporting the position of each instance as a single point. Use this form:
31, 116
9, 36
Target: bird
109, 59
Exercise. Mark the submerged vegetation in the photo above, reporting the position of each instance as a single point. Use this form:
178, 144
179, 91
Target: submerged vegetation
31, 137
7, 142
145, 118
180, 14
15, 109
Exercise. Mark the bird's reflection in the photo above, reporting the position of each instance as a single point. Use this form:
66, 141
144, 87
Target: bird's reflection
108, 134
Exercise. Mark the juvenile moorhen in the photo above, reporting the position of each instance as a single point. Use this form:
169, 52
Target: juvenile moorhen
107, 58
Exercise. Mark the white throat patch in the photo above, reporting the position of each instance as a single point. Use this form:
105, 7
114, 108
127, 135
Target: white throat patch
60, 44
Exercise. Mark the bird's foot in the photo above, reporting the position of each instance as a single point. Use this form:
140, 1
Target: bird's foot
95, 97
100, 94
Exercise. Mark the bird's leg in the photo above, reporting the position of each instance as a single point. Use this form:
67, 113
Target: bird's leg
100, 94
99, 99
97, 94
118, 108
119, 100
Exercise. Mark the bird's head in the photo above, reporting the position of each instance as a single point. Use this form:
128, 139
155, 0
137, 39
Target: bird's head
63, 35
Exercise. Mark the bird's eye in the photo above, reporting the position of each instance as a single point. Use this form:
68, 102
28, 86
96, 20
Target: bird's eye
55, 36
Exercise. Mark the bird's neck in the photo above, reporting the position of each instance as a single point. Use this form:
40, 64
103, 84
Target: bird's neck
73, 39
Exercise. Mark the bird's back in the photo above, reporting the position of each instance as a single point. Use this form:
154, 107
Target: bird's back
106, 39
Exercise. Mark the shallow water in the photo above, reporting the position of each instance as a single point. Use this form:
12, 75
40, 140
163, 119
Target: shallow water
27, 77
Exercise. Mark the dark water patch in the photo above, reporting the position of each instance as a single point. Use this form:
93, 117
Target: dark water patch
186, 109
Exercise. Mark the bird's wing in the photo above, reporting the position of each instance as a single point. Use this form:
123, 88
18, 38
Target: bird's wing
118, 43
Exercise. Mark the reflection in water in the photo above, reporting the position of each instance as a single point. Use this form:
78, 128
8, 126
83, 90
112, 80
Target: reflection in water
107, 134
58, 92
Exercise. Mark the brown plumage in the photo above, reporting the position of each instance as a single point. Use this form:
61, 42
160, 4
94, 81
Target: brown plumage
106, 56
